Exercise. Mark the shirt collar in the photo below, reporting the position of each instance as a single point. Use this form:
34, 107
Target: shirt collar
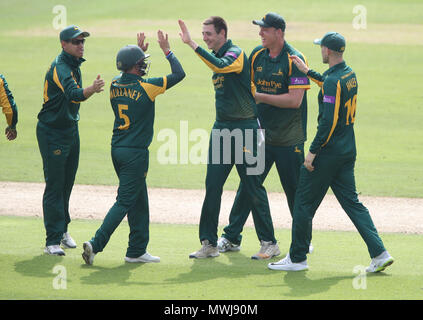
223, 49
129, 77
279, 56
71, 60
336, 67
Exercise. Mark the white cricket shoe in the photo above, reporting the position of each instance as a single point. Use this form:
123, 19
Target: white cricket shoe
267, 251
54, 250
380, 262
88, 254
287, 265
206, 251
67, 241
224, 245
145, 258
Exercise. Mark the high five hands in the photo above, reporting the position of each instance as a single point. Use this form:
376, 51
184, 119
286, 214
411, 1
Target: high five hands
140, 40
185, 36
163, 41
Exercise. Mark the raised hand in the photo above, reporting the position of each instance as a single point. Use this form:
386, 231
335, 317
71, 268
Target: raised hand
300, 64
98, 84
163, 41
184, 34
140, 40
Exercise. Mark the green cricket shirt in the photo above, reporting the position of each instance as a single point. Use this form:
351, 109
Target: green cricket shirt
7, 103
337, 108
283, 126
132, 99
232, 83
63, 92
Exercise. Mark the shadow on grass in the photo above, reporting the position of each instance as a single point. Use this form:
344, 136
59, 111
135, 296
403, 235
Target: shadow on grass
239, 266
118, 275
301, 286
39, 266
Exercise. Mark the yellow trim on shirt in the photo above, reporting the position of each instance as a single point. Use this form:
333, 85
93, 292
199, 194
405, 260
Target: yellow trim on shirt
74, 79
152, 90
45, 91
236, 66
301, 86
319, 83
5, 103
252, 63
253, 85
335, 112
56, 79
290, 65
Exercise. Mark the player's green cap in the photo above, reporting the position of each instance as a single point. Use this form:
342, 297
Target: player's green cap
332, 40
128, 56
71, 32
271, 20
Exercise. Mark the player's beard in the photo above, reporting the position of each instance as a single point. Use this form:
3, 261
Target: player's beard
325, 55
325, 59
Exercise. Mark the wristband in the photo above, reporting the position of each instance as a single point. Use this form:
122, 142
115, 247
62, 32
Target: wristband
168, 54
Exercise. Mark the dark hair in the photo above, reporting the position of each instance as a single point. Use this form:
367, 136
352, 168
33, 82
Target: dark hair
218, 23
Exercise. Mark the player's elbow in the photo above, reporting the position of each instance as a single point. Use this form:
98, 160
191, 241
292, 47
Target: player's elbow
180, 76
296, 99
295, 104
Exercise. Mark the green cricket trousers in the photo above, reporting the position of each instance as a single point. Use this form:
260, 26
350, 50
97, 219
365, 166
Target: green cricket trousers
59, 150
338, 173
288, 161
219, 168
131, 166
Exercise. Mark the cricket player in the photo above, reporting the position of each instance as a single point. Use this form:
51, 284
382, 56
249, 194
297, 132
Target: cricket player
330, 160
58, 135
235, 113
10, 110
133, 102
280, 93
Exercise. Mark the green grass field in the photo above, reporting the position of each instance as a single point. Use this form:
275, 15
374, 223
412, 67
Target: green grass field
387, 59
335, 272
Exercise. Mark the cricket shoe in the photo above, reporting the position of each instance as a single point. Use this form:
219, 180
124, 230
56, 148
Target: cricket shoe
88, 254
67, 241
145, 258
224, 245
267, 251
380, 262
207, 250
54, 250
286, 264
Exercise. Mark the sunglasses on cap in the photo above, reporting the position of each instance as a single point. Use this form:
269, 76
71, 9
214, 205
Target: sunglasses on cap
77, 41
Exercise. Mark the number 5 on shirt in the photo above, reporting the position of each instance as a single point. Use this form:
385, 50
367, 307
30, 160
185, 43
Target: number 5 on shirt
123, 116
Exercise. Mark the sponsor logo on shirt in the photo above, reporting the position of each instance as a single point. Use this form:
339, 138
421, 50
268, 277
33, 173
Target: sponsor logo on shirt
299, 81
329, 99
